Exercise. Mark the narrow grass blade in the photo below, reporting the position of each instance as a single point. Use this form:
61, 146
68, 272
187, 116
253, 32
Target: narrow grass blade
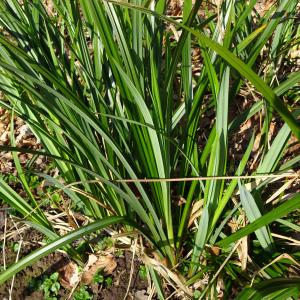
269, 286
200, 240
271, 216
253, 213
236, 63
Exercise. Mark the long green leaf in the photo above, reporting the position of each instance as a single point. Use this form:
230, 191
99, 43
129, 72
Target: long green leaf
276, 213
236, 63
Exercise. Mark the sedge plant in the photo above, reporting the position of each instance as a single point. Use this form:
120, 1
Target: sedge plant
115, 94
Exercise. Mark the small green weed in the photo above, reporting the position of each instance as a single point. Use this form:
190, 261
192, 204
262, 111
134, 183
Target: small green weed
101, 279
11, 179
196, 294
15, 247
108, 281
82, 294
34, 181
119, 253
51, 287
103, 244
143, 272
98, 277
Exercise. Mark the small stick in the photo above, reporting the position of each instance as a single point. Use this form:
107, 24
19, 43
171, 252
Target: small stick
181, 179
131, 269
4, 240
17, 258
207, 178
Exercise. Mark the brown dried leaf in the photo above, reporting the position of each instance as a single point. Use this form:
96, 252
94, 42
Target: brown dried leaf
233, 225
196, 212
160, 259
242, 251
95, 263
215, 250
4, 138
69, 275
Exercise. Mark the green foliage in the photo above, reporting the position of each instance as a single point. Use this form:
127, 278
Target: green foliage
119, 253
103, 244
82, 294
50, 286
281, 288
100, 278
113, 91
15, 247
11, 179
108, 281
143, 272
197, 294
34, 181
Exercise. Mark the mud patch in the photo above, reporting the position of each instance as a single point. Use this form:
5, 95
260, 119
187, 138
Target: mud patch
121, 278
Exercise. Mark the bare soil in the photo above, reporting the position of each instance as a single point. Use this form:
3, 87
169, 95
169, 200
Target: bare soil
22, 288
